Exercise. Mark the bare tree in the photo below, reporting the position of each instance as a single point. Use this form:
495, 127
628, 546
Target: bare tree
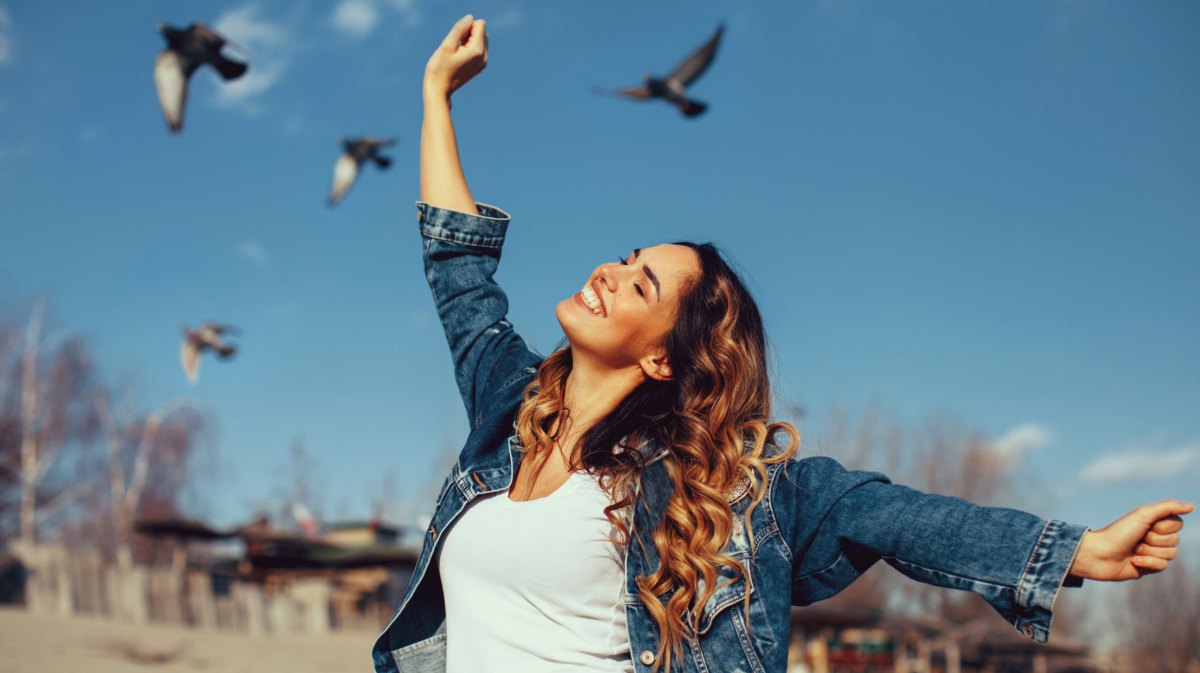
53, 408
1157, 621
10, 420
296, 497
154, 450
51, 415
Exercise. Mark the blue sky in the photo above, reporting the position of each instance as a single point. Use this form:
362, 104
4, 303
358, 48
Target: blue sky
982, 210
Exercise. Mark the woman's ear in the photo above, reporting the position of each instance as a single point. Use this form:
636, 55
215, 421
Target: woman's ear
656, 367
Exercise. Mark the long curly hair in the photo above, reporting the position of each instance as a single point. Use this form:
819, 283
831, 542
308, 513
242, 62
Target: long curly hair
713, 418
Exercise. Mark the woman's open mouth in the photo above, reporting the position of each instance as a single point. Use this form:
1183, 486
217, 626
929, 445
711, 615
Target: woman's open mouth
591, 301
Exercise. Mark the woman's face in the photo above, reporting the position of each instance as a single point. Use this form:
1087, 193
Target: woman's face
624, 312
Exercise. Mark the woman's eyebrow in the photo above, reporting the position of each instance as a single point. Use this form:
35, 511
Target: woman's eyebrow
653, 280
650, 274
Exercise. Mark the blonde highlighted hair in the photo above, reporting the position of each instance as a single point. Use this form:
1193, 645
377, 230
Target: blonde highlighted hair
712, 417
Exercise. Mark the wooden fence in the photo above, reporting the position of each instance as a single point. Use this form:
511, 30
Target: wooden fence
58, 582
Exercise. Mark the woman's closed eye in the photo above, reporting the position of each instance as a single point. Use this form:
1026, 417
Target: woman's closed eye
636, 288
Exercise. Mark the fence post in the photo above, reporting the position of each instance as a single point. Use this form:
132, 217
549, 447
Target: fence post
202, 607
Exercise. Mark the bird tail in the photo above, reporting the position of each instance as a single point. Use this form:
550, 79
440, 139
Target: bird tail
692, 108
382, 162
229, 68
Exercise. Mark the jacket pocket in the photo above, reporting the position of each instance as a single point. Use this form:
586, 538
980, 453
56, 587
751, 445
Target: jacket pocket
726, 596
426, 656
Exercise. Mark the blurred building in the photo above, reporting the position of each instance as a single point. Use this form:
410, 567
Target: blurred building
362, 565
848, 639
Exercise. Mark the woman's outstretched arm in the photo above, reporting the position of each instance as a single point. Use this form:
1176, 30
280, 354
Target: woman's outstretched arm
460, 56
462, 241
837, 523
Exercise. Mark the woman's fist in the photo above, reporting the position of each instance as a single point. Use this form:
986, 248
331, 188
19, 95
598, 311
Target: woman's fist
461, 56
1143, 541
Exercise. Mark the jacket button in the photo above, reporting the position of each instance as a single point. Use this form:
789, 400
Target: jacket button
646, 657
1028, 630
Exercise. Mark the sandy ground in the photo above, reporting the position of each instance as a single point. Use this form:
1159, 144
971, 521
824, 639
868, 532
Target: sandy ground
45, 644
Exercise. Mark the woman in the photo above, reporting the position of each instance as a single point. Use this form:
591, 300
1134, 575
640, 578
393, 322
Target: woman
624, 505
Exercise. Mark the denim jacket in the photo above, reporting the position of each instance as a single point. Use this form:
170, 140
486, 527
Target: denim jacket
817, 529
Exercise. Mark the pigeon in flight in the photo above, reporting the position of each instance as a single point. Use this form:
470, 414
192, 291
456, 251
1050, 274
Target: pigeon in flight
195, 342
187, 50
357, 151
673, 87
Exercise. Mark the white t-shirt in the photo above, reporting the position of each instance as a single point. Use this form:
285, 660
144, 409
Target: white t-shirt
535, 586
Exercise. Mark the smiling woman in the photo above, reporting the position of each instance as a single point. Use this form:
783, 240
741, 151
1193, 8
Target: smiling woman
624, 311
626, 503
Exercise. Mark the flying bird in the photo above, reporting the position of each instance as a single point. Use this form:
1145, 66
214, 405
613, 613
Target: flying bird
673, 87
208, 337
357, 151
187, 50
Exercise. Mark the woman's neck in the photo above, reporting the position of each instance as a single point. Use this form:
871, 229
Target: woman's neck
590, 394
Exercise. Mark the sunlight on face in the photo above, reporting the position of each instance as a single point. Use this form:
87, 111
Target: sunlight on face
626, 309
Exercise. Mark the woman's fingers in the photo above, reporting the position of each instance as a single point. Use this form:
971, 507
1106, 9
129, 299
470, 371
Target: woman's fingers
459, 32
1158, 540
477, 39
1167, 553
1167, 525
1164, 509
460, 57
1149, 564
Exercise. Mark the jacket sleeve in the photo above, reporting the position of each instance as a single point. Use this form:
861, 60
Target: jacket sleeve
461, 253
838, 522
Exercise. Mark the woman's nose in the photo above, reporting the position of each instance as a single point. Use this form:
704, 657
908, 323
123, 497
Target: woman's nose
608, 277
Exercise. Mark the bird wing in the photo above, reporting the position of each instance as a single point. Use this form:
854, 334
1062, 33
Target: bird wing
635, 92
210, 38
171, 80
189, 355
377, 144
344, 173
229, 68
695, 65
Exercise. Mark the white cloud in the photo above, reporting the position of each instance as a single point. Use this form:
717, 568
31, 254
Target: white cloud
408, 10
506, 19
270, 48
355, 17
253, 252
1142, 465
5, 35
1014, 444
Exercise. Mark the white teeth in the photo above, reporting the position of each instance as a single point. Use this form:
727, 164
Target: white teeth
591, 300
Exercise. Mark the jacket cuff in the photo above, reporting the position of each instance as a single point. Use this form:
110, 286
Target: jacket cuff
1044, 575
485, 230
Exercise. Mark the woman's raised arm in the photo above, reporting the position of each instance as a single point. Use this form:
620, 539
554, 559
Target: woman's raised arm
460, 56
463, 239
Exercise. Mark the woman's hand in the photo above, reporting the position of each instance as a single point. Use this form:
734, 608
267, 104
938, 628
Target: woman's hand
1141, 542
461, 56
